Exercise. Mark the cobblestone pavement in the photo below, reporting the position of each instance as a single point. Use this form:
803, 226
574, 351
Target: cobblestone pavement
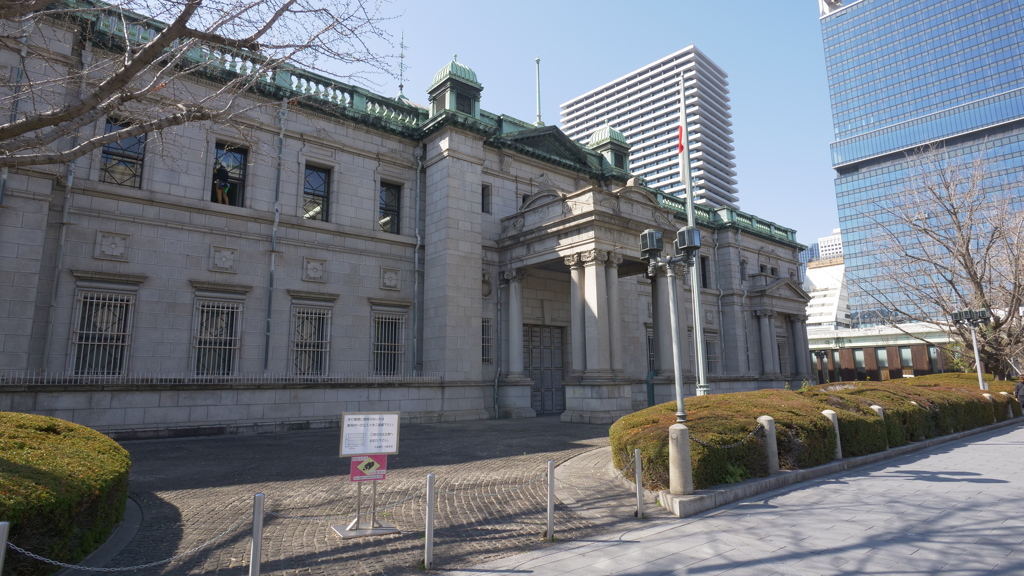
491, 498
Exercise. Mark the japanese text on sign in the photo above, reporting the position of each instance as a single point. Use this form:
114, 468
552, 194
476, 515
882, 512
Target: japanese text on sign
369, 433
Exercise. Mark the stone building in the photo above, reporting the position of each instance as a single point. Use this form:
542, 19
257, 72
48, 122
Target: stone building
441, 261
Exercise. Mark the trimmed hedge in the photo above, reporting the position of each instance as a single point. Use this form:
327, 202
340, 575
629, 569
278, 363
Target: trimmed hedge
63, 488
723, 450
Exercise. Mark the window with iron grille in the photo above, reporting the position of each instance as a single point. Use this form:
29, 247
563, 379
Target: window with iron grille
388, 343
486, 341
311, 340
216, 336
121, 161
390, 200
316, 193
711, 350
233, 159
652, 359
102, 334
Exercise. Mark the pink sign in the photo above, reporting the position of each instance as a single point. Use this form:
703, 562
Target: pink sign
373, 467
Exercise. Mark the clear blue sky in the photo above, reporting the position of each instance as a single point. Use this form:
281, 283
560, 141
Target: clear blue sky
771, 51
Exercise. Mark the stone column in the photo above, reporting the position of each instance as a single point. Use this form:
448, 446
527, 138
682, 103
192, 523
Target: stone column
595, 293
662, 323
515, 392
576, 327
802, 349
768, 364
515, 320
614, 311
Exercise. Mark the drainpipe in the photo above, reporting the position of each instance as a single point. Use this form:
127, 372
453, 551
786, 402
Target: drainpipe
718, 283
69, 180
497, 352
743, 303
282, 116
19, 76
417, 309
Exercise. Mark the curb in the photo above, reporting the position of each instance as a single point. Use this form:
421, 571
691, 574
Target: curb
687, 505
123, 534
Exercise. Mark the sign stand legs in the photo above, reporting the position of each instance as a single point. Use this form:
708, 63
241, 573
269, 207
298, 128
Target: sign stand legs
375, 528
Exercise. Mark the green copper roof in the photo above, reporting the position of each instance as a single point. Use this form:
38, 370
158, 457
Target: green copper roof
456, 70
606, 134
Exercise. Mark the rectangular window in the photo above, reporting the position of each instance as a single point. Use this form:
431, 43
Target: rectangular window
704, 272
388, 344
316, 193
783, 347
102, 333
882, 358
711, 350
652, 359
837, 366
485, 198
906, 358
311, 340
463, 103
390, 203
121, 161
228, 185
215, 337
858, 363
486, 341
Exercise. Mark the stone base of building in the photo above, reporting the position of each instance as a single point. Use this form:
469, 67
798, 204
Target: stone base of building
129, 411
598, 399
514, 397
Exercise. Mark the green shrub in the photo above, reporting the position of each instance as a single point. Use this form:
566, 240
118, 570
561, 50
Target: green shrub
722, 449
63, 488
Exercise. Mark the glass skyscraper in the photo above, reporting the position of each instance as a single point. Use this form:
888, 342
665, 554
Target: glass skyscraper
906, 74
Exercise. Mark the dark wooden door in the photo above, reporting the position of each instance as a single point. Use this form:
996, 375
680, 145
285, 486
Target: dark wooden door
542, 363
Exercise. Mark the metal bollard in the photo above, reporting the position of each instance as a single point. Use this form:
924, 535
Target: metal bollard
255, 551
428, 547
639, 484
4, 529
551, 499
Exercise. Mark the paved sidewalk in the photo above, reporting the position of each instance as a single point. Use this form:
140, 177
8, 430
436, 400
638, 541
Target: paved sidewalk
953, 509
491, 498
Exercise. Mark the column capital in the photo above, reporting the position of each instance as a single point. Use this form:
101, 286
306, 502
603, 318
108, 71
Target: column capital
513, 274
614, 259
594, 256
574, 260
799, 317
765, 313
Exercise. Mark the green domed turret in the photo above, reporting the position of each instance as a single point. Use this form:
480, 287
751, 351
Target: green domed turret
606, 134
455, 70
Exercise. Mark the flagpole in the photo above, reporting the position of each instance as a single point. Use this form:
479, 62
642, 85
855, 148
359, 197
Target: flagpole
691, 222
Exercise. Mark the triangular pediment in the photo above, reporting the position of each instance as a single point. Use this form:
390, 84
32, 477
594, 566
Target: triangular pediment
551, 141
783, 288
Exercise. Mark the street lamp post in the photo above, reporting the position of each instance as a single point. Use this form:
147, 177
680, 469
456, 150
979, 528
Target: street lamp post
651, 246
974, 319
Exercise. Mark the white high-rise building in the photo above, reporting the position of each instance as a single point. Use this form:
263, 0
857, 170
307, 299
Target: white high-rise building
645, 106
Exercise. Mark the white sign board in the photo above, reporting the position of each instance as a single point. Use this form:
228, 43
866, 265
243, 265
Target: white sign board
369, 433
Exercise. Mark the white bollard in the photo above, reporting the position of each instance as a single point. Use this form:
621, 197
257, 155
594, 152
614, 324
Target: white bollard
551, 500
255, 551
428, 549
992, 401
771, 446
639, 484
881, 414
4, 529
680, 469
1009, 407
831, 415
